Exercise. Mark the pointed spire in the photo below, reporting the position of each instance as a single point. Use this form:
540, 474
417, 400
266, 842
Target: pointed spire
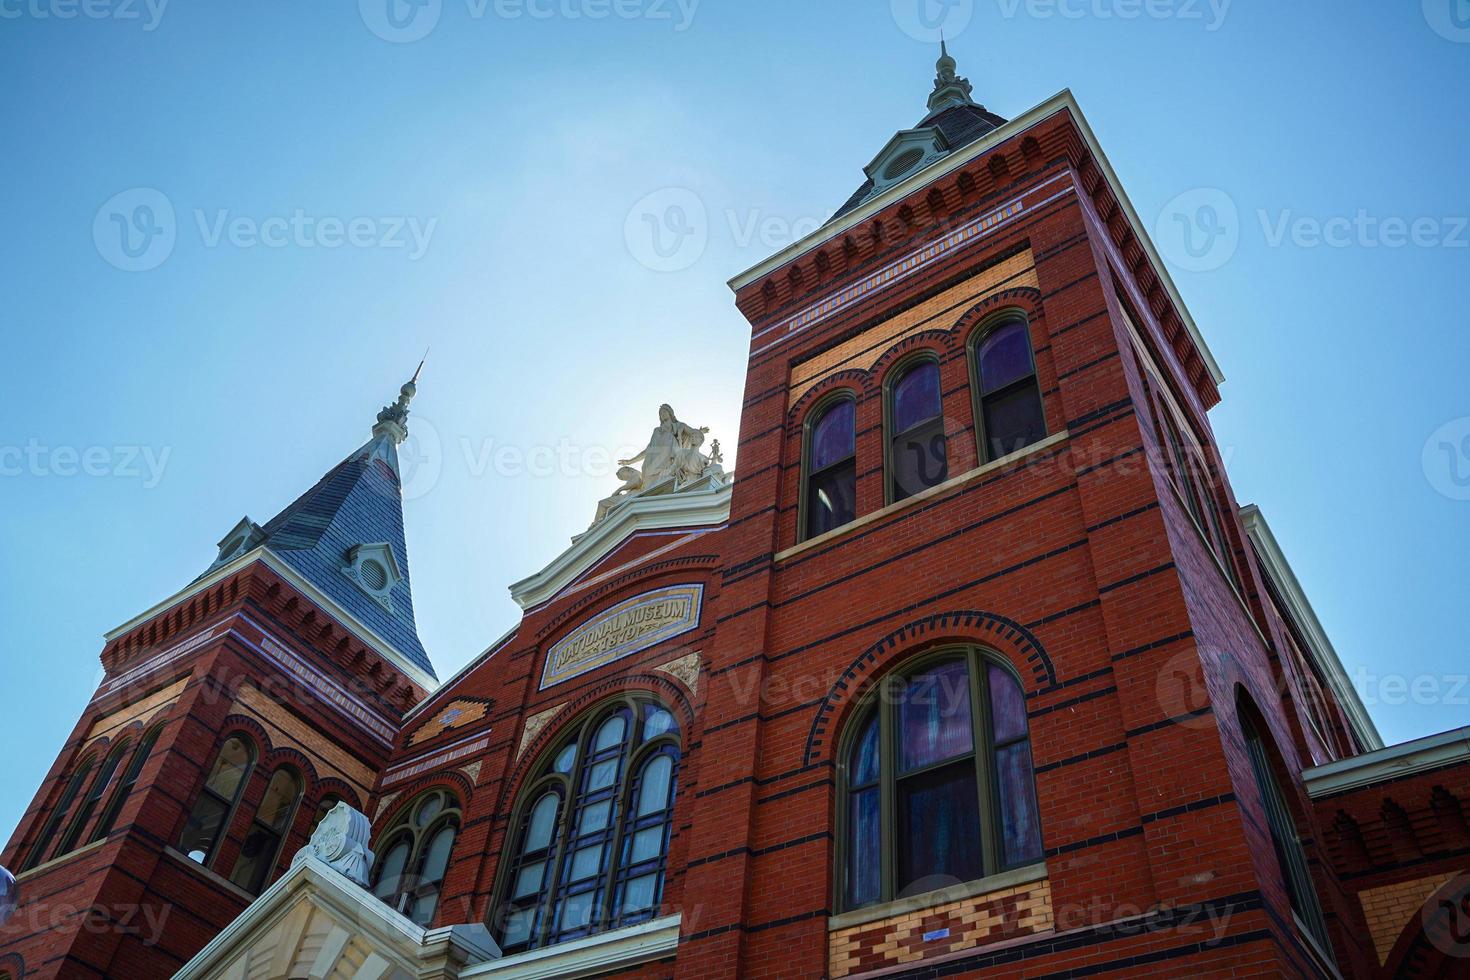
393, 419
949, 87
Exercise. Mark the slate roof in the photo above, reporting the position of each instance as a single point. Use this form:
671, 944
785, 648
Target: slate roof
358, 501
960, 125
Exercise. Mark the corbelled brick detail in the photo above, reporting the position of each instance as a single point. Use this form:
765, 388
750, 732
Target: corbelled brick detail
947, 928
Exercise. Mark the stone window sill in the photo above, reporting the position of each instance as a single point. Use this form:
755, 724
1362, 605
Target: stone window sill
935, 491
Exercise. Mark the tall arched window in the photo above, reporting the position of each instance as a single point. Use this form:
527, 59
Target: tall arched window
89, 802
1008, 412
829, 491
1284, 838
268, 831
58, 812
125, 787
210, 818
918, 457
592, 834
414, 855
938, 787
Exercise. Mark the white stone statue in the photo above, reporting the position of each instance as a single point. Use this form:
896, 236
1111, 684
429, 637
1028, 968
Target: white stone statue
671, 462
341, 842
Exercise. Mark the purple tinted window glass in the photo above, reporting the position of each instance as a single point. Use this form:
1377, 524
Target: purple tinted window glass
939, 829
863, 848
1007, 705
1013, 421
916, 396
863, 769
1005, 356
833, 436
919, 462
1020, 828
831, 499
934, 716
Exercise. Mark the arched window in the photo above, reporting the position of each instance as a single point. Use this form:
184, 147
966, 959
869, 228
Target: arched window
937, 782
918, 457
1008, 412
210, 819
89, 803
415, 854
592, 834
58, 812
125, 787
268, 831
829, 492
1284, 838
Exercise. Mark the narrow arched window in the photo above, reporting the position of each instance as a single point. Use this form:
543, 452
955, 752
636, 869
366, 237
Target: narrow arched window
918, 456
938, 787
93, 796
591, 838
1284, 838
59, 812
268, 830
209, 820
414, 855
829, 494
1008, 411
125, 786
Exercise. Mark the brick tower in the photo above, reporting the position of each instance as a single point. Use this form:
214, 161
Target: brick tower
229, 716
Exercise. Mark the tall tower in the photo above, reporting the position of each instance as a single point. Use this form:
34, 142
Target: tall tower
229, 717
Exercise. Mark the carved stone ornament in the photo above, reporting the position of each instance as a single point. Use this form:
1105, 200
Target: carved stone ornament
340, 842
671, 463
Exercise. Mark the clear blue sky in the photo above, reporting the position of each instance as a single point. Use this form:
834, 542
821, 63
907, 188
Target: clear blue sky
519, 139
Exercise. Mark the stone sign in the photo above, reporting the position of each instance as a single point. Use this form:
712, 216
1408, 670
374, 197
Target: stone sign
625, 629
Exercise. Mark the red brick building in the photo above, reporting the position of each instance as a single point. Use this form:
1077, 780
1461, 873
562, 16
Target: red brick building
978, 668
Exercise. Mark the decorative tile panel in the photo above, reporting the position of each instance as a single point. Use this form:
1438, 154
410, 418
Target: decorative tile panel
913, 936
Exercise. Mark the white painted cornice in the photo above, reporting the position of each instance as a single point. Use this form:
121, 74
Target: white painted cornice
1420, 755
1063, 101
594, 955
1319, 647
393, 937
691, 509
368, 636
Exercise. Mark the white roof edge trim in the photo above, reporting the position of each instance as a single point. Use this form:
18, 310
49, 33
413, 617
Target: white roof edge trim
263, 554
1062, 101
1404, 759
692, 510
388, 931
1274, 563
454, 678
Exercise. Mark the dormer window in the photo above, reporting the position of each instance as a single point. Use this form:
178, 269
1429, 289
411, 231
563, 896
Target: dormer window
375, 570
243, 537
907, 153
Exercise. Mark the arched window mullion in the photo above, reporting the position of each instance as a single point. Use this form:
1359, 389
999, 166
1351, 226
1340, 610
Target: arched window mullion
985, 747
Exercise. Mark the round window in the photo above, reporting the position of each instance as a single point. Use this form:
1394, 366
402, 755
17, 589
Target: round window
374, 575
902, 163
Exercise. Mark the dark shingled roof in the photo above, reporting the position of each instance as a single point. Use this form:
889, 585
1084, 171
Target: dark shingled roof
960, 125
358, 502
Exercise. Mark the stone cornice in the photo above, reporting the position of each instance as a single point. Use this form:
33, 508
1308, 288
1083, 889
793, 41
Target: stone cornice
691, 509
